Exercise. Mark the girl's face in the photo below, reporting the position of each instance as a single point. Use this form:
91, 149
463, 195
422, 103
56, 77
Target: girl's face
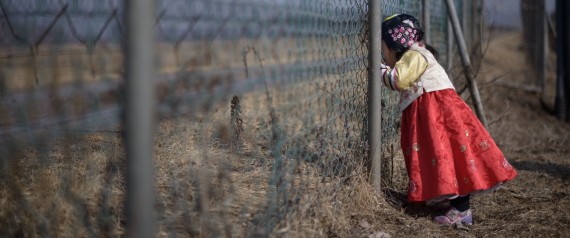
388, 55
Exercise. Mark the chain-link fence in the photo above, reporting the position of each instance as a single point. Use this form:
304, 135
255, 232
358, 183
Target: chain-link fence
262, 115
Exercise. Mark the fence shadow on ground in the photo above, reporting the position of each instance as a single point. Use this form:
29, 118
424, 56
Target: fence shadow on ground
552, 169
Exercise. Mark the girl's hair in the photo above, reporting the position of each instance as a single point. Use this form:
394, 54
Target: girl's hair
400, 31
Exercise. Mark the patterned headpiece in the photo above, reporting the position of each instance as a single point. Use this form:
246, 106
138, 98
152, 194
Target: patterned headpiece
400, 31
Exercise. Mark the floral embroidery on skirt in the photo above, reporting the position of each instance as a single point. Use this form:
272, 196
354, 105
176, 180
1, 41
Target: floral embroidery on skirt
440, 129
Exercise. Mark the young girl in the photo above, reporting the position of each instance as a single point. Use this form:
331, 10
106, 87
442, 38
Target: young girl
449, 155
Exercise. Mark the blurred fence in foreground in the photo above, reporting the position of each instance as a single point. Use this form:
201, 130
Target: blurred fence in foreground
262, 113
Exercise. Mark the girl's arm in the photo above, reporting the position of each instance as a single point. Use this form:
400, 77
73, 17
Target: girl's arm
406, 71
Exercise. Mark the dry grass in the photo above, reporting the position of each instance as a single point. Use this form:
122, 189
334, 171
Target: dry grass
205, 187
65, 189
24, 69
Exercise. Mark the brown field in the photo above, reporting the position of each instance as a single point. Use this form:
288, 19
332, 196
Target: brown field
74, 187
24, 69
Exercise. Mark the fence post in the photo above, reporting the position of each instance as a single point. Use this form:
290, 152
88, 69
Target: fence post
426, 21
449, 40
562, 100
466, 63
473, 9
374, 92
544, 49
464, 24
139, 117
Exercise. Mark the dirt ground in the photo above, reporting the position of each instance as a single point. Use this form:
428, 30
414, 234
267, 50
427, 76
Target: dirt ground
537, 202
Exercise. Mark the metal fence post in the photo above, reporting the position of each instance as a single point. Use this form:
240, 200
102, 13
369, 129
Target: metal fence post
466, 63
449, 40
374, 92
465, 24
139, 117
562, 100
426, 21
544, 50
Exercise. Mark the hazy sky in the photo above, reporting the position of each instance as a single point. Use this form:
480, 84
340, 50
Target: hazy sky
507, 12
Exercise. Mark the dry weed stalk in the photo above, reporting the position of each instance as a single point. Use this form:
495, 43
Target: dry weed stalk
236, 122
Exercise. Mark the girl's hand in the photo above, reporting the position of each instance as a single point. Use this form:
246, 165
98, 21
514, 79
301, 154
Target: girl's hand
384, 69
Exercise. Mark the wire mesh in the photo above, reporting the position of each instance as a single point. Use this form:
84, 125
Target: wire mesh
438, 19
262, 113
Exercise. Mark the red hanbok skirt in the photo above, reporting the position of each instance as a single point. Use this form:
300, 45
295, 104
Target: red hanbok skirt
448, 152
